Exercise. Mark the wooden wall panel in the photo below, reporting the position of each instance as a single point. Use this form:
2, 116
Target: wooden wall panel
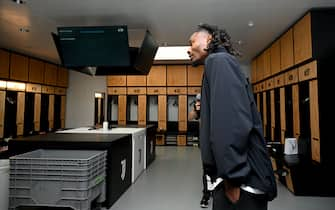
50, 76
142, 110
4, 64
176, 75
19, 65
194, 75
36, 71
157, 76
302, 35
2, 112
286, 50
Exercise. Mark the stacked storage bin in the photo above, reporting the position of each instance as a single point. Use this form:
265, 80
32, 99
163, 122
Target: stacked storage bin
57, 178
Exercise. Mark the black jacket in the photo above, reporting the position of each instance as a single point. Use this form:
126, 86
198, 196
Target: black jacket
231, 136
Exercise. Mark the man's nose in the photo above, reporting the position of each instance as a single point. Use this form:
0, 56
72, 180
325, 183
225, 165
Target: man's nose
189, 51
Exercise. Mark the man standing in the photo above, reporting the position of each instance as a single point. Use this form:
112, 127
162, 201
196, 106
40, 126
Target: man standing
231, 137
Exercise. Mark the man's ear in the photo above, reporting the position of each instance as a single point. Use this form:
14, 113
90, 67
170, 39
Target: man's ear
209, 39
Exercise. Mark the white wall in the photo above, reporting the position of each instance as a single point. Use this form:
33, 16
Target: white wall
246, 70
80, 98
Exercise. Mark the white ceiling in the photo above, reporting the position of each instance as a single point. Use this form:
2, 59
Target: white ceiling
170, 21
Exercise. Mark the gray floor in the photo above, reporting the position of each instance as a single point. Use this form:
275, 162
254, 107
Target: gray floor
173, 181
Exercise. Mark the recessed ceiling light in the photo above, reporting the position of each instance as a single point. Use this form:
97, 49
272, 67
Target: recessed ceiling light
251, 23
19, 1
26, 30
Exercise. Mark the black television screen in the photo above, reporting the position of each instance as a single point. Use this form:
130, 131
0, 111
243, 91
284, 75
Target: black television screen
146, 54
141, 59
93, 46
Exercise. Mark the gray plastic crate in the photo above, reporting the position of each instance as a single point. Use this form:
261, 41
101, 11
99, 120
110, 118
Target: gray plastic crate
71, 178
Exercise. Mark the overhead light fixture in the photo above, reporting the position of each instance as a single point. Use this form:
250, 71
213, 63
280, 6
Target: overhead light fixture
19, 1
16, 86
98, 95
3, 84
172, 53
251, 24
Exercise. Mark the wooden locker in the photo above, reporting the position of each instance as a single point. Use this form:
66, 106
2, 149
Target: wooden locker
36, 71
136, 80
122, 110
264, 114
302, 35
161, 113
19, 65
63, 111
194, 75
258, 101
2, 111
291, 77
37, 111
314, 117
181, 140
193, 90
156, 91
136, 90
182, 113
288, 179
33, 88
20, 113
260, 67
51, 111
274, 166
117, 90
286, 50
142, 110
176, 90
157, 76
308, 71
296, 112
273, 116
282, 115
176, 75
267, 63
62, 77
275, 57
117, 80
160, 139
253, 71
50, 76
4, 64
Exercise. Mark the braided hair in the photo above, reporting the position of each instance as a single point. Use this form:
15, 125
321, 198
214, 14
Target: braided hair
220, 38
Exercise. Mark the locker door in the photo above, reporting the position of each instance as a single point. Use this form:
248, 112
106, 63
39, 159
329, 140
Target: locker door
2, 112
51, 112
122, 110
315, 128
37, 112
162, 112
282, 115
142, 108
296, 112
62, 111
273, 116
182, 113
20, 113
